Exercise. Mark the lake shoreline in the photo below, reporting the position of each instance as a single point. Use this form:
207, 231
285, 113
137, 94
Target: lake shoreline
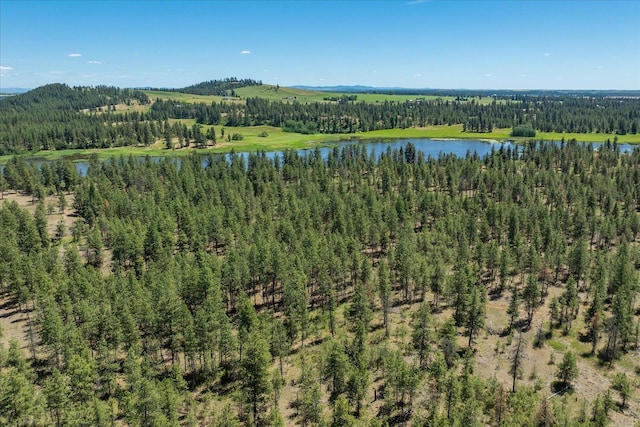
83, 155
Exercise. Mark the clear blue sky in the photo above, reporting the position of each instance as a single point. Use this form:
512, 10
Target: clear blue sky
417, 44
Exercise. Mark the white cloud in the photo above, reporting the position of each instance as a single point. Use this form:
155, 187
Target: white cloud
245, 52
412, 2
94, 62
3, 68
417, 75
74, 55
488, 75
547, 54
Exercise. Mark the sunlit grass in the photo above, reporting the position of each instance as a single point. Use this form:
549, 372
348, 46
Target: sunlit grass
557, 345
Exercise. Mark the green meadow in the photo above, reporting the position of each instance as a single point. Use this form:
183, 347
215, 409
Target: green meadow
455, 132
182, 97
285, 94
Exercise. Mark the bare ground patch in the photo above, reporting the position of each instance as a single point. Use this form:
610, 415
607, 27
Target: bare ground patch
16, 324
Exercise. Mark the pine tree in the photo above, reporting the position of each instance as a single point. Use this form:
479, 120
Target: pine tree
531, 297
384, 292
477, 312
256, 377
437, 283
568, 369
513, 310
516, 361
422, 335
622, 385
569, 303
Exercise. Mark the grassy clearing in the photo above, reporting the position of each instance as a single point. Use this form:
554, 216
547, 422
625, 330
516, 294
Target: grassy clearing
281, 94
557, 345
276, 140
382, 97
455, 132
302, 95
182, 97
445, 132
588, 137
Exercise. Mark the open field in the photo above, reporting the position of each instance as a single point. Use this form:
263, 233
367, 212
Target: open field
455, 131
182, 97
588, 137
301, 95
281, 94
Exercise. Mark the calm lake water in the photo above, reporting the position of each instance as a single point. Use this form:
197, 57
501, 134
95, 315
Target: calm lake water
430, 147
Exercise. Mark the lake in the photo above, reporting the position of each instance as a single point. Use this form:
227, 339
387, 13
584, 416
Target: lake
429, 147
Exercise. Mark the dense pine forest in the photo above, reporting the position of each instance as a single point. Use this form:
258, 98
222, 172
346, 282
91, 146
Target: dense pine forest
349, 290
58, 117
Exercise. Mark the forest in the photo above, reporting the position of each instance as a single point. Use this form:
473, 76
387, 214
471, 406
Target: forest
58, 117
349, 290
224, 87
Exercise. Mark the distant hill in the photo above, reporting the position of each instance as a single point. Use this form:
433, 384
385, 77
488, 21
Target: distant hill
224, 87
471, 92
12, 90
53, 116
58, 96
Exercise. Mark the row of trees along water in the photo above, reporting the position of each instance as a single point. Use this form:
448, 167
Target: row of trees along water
59, 117
200, 294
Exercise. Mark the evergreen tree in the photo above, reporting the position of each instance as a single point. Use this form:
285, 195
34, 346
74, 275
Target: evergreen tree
384, 292
513, 310
568, 369
477, 312
622, 385
531, 296
257, 384
516, 361
422, 335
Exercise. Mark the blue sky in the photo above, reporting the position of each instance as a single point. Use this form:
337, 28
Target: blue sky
417, 44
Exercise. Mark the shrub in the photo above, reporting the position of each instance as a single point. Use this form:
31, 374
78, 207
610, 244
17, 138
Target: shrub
523, 130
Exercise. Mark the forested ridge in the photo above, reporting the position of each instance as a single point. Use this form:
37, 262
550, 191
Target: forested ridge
224, 87
52, 117
59, 117
351, 290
